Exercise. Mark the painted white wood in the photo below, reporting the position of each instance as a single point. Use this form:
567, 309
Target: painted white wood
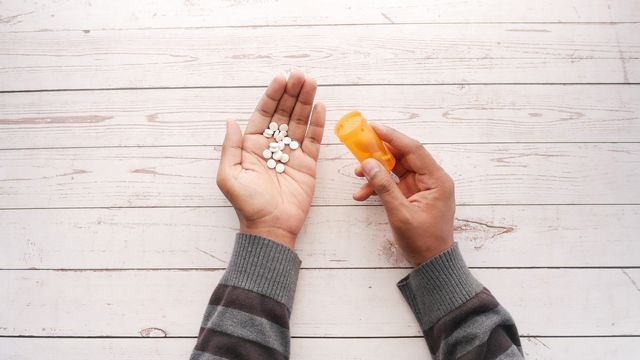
398, 54
184, 176
558, 302
434, 114
68, 14
306, 349
333, 237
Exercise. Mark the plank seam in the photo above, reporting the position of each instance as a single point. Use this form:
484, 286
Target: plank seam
395, 23
320, 85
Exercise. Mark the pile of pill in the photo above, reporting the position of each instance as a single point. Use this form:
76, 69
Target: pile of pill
275, 151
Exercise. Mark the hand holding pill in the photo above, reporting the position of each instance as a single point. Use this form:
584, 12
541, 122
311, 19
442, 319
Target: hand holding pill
421, 206
268, 173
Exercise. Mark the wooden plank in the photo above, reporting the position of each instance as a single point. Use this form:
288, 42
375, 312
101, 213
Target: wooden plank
434, 114
549, 302
399, 54
500, 236
184, 176
68, 14
306, 349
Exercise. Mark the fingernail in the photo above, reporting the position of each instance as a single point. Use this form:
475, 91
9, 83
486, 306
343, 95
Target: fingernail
370, 167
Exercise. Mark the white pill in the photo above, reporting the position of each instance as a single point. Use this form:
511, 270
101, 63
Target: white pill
284, 127
294, 145
266, 153
273, 126
265, 134
281, 145
271, 163
277, 155
273, 146
280, 137
268, 131
284, 158
286, 140
280, 168
275, 133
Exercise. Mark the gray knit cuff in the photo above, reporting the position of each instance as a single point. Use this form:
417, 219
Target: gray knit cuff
263, 266
438, 286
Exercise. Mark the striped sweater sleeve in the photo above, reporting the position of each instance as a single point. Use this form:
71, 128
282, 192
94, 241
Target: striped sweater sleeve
460, 319
248, 313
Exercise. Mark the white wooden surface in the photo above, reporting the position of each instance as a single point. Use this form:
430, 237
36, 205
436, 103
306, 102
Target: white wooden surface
433, 114
535, 348
341, 54
111, 227
187, 238
32, 15
329, 302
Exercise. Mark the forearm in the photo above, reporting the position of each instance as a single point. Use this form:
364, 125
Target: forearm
460, 318
248, 313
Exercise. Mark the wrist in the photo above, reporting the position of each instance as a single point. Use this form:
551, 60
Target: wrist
272, 233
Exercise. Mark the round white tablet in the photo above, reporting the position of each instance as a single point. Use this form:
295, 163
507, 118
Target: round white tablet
286, 140
273, 126
274, 146
294, 145
284, 127
266, 153
281, 145
277, 155
265, 134
280, 168
280, 137
271, 163
284, 158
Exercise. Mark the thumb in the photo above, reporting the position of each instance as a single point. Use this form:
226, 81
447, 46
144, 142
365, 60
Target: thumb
231, 149
382, 183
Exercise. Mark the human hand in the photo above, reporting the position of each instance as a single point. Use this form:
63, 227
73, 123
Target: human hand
421, 206
270, 204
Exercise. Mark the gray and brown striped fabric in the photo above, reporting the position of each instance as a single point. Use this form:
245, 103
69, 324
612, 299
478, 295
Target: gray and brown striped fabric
248, 313
460, 319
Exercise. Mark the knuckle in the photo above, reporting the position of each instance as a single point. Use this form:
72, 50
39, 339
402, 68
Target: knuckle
449, 184
385, 185
416, 147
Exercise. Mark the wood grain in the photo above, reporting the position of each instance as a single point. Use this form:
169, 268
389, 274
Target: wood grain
398, 54
433, 114
333, 237
306, 349
30, 15
558, 302
184, 176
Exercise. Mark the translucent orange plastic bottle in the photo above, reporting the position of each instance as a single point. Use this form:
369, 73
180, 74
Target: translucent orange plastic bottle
355, 132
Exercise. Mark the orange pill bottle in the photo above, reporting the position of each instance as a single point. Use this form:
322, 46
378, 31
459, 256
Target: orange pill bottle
354, 131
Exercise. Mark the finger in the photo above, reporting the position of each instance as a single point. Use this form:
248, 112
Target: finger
384, 186
302, 110
289, 98
365, 192
313, 139
266, 106
415, 156
231, 149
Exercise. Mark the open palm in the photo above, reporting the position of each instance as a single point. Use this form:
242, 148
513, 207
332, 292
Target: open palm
271, 204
